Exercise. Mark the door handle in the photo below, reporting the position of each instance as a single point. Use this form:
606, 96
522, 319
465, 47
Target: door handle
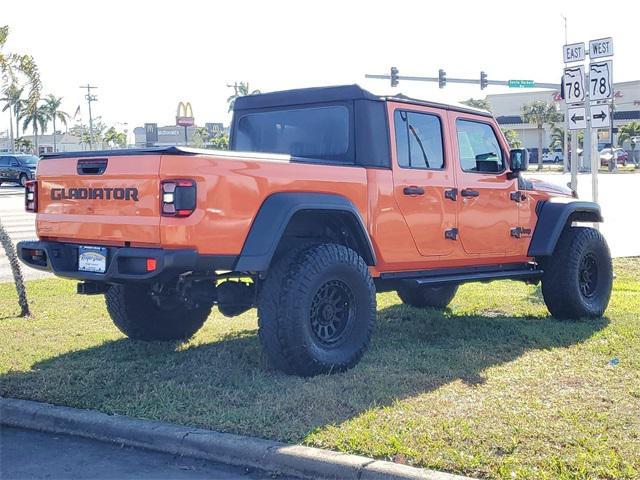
413, 190
469, 193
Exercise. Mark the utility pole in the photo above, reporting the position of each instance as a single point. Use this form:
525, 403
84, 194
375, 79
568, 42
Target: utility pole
90, 98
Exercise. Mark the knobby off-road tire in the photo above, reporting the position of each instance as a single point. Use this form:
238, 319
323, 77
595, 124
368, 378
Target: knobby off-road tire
136, 315
578, 276
317, 310
425, 296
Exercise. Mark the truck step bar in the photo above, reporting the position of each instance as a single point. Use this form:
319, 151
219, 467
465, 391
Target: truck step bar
524, 272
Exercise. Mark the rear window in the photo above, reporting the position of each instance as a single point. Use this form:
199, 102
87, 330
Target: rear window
314, 132
30, 160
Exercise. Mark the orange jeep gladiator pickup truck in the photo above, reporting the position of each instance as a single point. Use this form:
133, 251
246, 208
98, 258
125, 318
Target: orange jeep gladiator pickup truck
327, 196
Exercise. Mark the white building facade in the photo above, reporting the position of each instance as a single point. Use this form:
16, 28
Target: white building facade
507, 110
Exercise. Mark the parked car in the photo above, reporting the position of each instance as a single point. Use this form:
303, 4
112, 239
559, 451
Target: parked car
619, 155
327, 196
555, 156
17, 168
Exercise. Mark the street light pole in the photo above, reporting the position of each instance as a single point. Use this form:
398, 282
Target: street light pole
90, 98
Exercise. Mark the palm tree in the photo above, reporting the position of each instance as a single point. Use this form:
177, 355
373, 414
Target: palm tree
23, 144
38, 118
13, 102
52, 106
13, 66
538, 113
10, 251
114, 138
512, 138
479, 103
557, 138
239, 90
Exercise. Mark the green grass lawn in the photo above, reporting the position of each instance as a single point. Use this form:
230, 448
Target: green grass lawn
493, 387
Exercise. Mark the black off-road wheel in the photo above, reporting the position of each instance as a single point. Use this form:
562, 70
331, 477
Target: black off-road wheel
577, 279
317, 310
428, 296
144, 312
23, 180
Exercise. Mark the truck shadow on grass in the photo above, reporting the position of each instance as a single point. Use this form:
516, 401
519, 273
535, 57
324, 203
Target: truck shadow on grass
227, 384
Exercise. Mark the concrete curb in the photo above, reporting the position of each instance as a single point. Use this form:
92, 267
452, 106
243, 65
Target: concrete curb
225, 448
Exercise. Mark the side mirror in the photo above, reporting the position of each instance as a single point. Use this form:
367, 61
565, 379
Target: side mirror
519, 159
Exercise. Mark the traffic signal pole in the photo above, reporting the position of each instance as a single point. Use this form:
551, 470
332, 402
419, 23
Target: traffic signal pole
469, 81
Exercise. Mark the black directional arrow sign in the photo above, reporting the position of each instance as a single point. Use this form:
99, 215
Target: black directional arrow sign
577, 118
599, 117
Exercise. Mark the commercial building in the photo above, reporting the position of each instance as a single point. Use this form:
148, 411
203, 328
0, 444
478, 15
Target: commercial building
507, 110
172, 134
64, 142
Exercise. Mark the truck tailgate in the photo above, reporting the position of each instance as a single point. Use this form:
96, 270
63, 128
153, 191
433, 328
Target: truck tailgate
100, 200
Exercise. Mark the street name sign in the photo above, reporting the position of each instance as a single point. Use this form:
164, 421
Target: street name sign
577, 117
600, 117
573, 84
521, 84
601, 80
603, 47
573, 52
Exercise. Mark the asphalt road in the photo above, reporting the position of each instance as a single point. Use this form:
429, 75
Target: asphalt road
25, 454
617, 200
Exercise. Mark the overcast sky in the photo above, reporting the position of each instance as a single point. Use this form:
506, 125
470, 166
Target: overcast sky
146, 56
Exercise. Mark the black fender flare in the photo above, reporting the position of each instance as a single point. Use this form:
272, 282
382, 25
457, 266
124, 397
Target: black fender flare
553, 215
273, 217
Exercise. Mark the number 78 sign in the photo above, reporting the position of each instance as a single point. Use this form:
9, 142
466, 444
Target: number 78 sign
600, 80
573, 84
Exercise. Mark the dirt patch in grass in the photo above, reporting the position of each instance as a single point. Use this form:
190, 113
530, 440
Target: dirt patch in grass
492, 387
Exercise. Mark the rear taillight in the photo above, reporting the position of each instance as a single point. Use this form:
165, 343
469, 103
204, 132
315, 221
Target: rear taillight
177, 198
31, 196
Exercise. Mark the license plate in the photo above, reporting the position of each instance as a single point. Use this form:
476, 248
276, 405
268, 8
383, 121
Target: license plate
92, 259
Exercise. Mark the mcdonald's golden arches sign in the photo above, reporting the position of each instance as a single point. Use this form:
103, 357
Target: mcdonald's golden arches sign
184, 115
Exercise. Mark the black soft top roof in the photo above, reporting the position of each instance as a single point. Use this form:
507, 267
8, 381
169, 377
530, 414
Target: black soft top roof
304, 95
301, 96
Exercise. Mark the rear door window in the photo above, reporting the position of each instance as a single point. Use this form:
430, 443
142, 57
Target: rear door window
478, 148
4, 161
418, 140
312, 132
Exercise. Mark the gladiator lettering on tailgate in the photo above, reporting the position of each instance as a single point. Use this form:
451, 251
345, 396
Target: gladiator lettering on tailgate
127, 194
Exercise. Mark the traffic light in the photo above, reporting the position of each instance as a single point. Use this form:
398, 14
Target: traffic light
394, 77
442, 78
483, 80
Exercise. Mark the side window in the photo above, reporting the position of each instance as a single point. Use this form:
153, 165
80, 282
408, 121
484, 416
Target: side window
418, 140
14, 162
478, 148
4, 161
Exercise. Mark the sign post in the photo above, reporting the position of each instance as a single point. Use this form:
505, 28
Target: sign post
573, 86
580, 90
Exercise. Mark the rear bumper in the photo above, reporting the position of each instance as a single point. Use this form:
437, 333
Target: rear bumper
124, 264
